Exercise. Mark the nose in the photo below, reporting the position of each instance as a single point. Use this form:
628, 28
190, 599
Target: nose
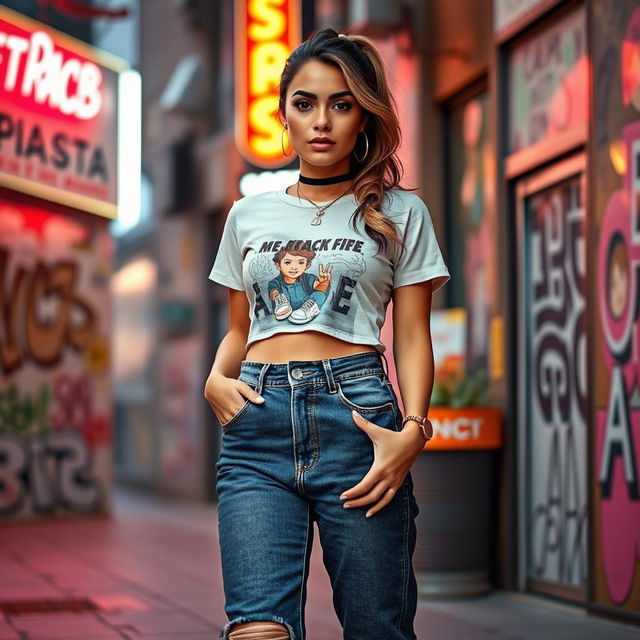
322, 120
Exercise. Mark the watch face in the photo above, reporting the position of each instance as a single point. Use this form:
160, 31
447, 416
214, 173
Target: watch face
428, 428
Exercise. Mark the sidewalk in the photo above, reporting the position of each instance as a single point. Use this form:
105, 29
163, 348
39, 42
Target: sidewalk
152, 572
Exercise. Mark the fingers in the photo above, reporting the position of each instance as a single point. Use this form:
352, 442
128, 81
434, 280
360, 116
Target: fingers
388, 496
251, 394
219, 396
364, 486
245, 392
375, 494
380, 493
324, 273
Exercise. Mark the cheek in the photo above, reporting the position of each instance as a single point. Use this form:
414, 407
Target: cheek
296, 121
349, 127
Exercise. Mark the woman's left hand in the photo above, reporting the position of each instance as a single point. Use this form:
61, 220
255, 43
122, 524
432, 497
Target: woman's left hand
394, 454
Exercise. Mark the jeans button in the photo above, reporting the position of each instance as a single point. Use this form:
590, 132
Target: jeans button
297, 373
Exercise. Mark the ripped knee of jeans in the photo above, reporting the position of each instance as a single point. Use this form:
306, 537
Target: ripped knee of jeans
240, 629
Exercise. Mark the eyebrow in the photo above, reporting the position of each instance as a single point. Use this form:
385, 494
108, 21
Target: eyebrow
308, 94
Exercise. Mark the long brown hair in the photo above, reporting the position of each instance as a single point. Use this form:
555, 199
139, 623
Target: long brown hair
363, 67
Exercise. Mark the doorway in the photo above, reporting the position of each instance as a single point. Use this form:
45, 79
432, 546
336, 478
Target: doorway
552, 390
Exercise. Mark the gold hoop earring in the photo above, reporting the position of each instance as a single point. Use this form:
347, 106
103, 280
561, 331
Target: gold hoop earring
282, 142
366, 140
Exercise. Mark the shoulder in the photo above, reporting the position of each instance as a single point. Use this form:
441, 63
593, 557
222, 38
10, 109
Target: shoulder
405, 208
399, 201
248, 203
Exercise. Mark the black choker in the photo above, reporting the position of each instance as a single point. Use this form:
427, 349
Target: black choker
330, 180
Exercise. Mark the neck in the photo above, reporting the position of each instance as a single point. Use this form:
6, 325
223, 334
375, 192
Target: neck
325, 183
343, 177
320, 193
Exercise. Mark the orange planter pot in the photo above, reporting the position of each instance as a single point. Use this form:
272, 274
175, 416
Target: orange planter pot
456, 429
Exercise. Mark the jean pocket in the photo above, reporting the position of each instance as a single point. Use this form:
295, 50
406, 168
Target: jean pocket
366, 394
235, 418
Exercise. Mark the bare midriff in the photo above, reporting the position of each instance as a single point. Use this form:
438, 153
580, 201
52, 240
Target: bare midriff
307, 345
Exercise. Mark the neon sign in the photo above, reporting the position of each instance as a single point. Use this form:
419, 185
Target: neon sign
266, 33
35, 69
58, 114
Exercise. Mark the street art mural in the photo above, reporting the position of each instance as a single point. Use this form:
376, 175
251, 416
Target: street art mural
616, 177
556, 341
55, 400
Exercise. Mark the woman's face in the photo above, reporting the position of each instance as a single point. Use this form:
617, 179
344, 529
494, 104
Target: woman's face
320, 104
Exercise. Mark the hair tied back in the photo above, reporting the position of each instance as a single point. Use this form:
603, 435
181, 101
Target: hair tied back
364, 70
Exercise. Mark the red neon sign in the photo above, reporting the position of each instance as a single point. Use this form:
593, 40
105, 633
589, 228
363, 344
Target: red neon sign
58, 99
34, 70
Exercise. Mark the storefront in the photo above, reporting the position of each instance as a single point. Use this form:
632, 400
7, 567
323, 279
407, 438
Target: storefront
539, 109
58, 191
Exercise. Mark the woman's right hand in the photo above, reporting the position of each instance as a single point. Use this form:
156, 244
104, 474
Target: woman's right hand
227, 395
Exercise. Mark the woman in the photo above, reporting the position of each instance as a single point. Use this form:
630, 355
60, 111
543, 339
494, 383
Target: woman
312, 419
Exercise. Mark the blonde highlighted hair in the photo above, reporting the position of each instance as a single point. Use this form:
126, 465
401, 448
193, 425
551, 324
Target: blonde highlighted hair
363, 68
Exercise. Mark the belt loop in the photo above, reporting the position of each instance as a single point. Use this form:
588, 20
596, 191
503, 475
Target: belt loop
386, 367
327, 370
263, 370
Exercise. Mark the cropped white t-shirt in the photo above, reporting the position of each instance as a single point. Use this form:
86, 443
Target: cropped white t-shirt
325, 277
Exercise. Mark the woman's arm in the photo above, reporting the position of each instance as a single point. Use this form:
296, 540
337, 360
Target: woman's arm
222, 386
231, 350
395, 452
413, 351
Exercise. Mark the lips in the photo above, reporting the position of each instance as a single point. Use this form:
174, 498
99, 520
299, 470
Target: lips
321, 144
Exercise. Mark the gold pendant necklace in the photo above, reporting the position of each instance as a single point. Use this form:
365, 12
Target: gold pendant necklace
318, 217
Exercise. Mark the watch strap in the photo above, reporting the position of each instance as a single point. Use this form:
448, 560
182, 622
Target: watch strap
421, 423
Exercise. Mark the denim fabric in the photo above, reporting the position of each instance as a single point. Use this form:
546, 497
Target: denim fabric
282, 466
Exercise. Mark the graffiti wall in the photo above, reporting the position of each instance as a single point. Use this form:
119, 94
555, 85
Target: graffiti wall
55, 396
556, 385
616, 348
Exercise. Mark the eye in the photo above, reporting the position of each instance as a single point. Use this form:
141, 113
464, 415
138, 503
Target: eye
300, 102
346, 106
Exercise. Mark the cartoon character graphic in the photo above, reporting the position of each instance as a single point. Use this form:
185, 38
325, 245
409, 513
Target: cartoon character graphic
295, 294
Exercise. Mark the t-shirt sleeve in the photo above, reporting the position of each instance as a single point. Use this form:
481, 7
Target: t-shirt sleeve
227, 266
422, 259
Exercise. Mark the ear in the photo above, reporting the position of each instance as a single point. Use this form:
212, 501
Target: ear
281, 117
364, 121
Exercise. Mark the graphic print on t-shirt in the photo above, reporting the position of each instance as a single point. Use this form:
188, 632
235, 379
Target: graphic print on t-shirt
296, 280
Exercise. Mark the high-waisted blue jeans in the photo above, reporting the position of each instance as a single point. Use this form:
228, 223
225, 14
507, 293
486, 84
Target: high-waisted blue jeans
284, 464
